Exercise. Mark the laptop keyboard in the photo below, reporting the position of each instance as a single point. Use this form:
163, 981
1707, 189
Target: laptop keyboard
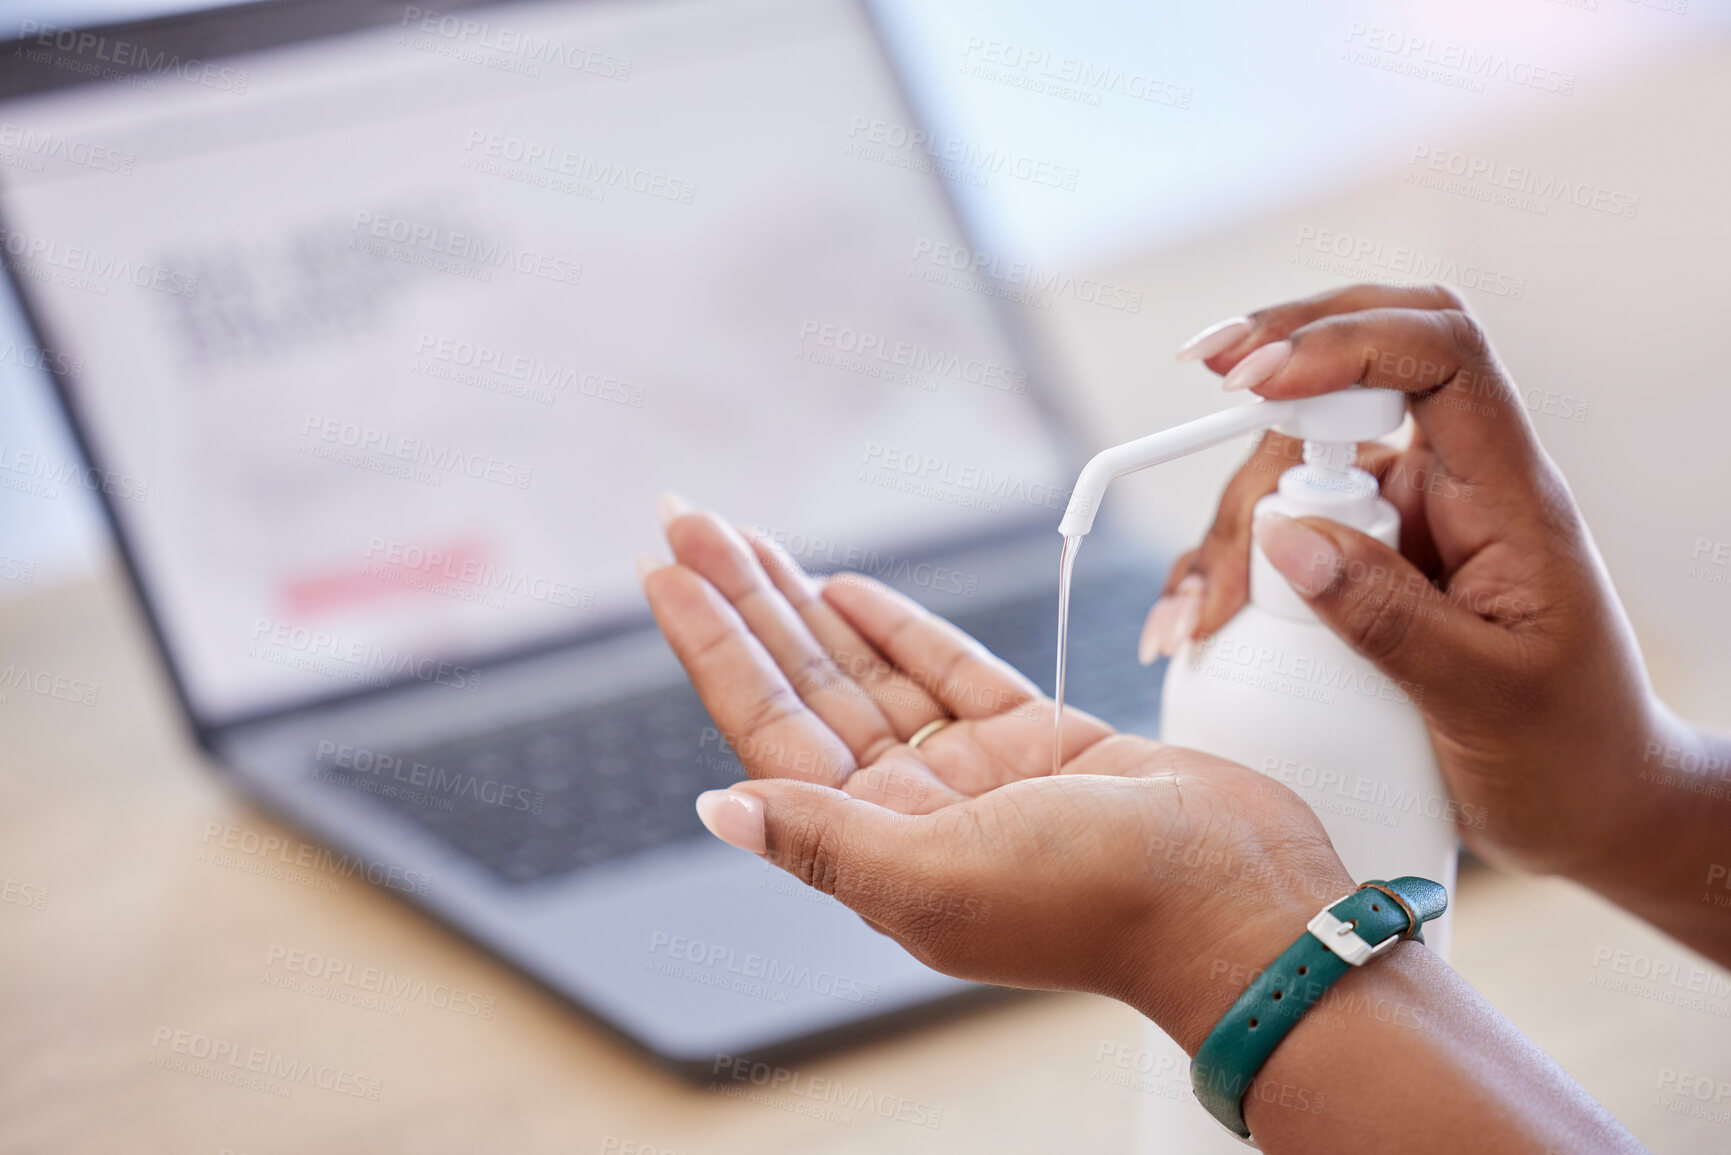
545, 798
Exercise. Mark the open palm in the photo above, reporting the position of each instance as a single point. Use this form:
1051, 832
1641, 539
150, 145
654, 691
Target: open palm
819, 688
826, 683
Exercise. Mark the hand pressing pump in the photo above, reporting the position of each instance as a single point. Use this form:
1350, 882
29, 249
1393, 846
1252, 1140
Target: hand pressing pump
1276, 690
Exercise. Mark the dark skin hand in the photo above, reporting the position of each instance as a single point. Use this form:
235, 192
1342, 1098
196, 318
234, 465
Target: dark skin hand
1150, 873
818, 687
1497, 604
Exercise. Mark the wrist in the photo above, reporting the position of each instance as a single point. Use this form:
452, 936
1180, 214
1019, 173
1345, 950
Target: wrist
1580, 797
1188, 971
1671, 817
1630, 807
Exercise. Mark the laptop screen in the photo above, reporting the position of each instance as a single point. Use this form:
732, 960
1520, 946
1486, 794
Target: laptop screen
385, 342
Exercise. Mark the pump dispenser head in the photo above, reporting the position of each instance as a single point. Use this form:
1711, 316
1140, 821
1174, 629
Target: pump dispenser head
1330, 425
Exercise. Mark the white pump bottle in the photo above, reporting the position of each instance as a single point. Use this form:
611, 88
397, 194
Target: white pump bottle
1277, 690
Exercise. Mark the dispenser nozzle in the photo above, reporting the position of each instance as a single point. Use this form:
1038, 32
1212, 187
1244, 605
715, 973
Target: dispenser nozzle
1349, 415
1110, 464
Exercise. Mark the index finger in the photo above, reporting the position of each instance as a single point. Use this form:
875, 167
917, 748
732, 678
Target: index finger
1460, 397
1276, 322
770, 727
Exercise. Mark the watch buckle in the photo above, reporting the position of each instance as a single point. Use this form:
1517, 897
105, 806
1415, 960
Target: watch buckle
1343, 938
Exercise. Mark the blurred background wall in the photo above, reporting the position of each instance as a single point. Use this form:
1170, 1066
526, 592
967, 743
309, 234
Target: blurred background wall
1565, 164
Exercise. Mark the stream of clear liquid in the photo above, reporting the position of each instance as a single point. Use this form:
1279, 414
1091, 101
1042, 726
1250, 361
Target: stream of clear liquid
1066, 565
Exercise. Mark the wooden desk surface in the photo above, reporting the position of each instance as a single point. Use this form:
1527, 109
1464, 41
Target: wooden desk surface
119, 928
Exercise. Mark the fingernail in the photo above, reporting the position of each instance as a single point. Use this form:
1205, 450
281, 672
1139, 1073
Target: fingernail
669, 506
1258, 367
646, 565
1148, 648
1304, 557
1188, 601
736, 819
1217, 338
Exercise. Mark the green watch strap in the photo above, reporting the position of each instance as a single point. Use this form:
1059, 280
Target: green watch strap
1347, 933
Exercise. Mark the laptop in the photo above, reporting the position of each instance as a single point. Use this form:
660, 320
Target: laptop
381, 327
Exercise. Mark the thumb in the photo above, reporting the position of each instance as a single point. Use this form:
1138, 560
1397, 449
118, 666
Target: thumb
1379, 603
861, 853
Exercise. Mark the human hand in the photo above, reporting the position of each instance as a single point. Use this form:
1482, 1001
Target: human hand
1130, 873
1496, 604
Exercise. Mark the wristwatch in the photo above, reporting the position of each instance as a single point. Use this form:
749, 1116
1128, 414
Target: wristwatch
1349, 932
